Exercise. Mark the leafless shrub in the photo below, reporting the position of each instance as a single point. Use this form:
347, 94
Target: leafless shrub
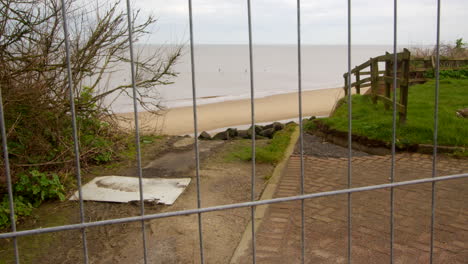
33, 76
448, 51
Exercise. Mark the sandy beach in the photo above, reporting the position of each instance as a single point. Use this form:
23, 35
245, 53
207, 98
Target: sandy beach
179, 121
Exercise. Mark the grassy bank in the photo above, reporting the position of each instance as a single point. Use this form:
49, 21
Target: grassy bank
374, 122
271, 151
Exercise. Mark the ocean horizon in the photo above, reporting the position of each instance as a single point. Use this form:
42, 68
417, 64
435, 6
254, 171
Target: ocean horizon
222, 72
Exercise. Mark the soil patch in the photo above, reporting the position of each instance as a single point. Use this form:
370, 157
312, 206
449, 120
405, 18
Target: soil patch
169, 240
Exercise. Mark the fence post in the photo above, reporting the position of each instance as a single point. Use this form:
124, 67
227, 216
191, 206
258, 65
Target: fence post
374, 79
388, 73
345, 84
358, 85
405, 68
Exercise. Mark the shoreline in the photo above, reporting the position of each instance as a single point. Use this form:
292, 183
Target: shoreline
179, 121
203, 100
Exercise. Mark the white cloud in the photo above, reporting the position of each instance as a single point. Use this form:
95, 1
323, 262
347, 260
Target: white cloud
323, 22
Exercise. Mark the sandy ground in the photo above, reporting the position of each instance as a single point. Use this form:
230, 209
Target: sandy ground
169, 240
179, 121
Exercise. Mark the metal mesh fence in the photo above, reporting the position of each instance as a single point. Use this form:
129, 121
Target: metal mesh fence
83, 225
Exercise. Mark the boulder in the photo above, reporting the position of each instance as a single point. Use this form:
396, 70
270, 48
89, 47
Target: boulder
278, 126
204, 136
268, 132
258, 130
243, 134
222, 136
290, 122
312, 118
268, 126
463, 113
257, 136
232, 132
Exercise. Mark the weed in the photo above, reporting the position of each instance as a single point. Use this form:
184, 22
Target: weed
29, 192
271, 153
445, 74
309, 125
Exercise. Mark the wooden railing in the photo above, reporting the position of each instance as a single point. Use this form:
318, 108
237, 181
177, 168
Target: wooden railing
377, 78
409, 71
419, 66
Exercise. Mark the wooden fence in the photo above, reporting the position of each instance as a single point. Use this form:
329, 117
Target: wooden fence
419, 66
409, 71
375, 78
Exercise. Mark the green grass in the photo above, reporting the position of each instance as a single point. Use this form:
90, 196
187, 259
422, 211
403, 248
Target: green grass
374, 122
272, 152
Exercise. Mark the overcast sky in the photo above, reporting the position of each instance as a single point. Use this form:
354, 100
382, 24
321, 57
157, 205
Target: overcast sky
323, 21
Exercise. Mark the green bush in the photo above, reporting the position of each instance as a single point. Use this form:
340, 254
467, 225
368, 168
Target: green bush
444, 74
309, 125
22, 208
30, 191
36, 186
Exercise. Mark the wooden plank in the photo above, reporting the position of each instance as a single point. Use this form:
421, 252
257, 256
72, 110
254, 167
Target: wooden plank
420, 69
358, 68
442, 60
417, 80
388, 72
369, 73
400, 107
389, 79
362, 66
368, 79
346, 85
404, 89
464, 60
419, 59
374, 79
400, 56
451, 68
358, 83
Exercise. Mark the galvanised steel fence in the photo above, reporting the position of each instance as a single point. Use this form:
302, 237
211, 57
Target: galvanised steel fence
14, 234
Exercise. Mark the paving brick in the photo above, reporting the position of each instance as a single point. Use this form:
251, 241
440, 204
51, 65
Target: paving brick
326, 217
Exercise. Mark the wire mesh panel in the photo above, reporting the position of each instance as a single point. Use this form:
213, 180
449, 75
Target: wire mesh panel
85, 226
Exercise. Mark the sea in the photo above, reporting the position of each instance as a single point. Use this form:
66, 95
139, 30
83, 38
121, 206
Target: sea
222, 72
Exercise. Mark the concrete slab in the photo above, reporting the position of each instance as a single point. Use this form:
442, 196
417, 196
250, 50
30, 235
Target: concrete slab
121, 189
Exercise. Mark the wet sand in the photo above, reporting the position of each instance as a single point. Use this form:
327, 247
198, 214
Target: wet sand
179, 121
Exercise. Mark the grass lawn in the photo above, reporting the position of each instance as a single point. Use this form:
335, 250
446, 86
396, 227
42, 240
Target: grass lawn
374, 122
271, 151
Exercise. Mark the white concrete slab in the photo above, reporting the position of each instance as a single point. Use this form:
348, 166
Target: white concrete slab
122, 189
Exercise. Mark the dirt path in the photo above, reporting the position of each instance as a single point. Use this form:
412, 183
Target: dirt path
170, 240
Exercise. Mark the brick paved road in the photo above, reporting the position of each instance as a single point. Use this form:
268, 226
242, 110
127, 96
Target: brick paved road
278, 237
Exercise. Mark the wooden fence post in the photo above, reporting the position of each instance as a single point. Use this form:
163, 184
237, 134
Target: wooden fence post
388, 73
404, 84
346, 84
374, 79
358, 85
